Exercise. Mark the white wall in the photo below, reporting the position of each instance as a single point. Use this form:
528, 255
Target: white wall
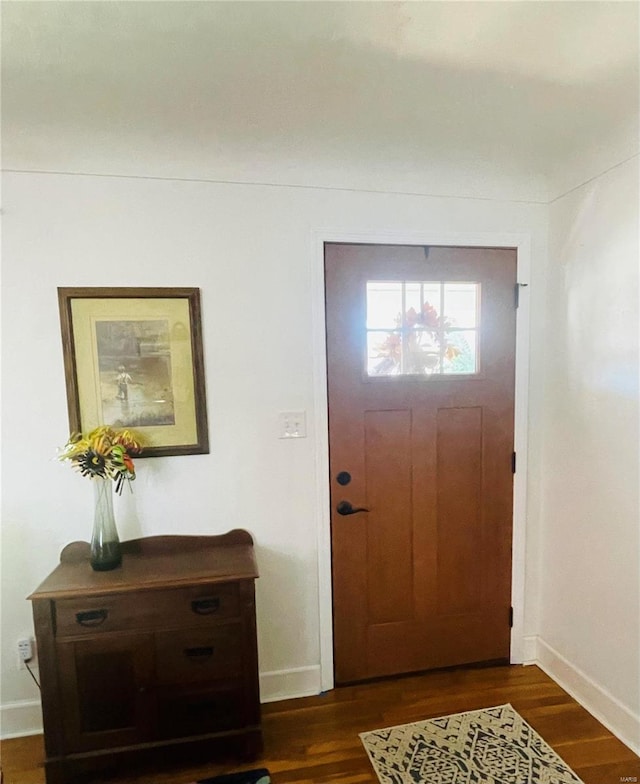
589, 628
251, 251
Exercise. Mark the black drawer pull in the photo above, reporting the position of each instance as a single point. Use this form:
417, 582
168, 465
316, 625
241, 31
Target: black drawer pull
199, 654
92, 617
206, 606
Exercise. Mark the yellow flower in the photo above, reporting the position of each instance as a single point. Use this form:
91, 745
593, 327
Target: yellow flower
103, 452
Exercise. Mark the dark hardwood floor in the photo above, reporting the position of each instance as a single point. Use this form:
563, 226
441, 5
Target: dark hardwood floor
314, 740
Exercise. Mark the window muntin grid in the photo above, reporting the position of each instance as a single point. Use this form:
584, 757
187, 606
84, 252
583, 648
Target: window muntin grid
422, 328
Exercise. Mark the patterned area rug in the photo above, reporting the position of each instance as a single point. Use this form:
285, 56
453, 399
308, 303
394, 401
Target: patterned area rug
490, 746
258, 776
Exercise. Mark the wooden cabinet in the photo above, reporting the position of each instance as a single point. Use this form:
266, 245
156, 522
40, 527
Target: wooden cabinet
157, 655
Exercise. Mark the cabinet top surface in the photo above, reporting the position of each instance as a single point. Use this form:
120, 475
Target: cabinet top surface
153, 562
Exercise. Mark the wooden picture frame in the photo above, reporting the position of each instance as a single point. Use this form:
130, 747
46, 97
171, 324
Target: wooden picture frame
133, 359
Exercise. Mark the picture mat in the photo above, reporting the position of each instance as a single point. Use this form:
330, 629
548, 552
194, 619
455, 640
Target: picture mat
87, 313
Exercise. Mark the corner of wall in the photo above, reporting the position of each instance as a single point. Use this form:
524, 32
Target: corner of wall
602, 705
289, 684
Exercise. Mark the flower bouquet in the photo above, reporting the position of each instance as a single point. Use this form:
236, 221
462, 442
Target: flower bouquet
104, 455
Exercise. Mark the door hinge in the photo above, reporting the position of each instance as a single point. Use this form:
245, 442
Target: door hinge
513, 462
511, 617
517, 288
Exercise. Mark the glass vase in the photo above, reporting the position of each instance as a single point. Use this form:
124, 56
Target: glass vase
105, 544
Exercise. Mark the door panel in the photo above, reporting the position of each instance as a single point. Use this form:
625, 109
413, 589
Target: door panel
105, 690
459, 512
421, 356
387, 436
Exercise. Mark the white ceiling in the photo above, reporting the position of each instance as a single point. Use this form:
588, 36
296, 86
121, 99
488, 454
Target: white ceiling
313, 92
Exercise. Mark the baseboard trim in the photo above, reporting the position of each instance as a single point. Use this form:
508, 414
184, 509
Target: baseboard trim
18, 719
287, 684
602, 705
529, 649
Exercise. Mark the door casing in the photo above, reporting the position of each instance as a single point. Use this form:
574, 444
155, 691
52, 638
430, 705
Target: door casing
522, 243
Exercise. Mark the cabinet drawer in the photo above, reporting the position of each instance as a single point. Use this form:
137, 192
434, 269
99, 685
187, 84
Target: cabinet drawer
182, 607
197, 606
198, 711
199, 656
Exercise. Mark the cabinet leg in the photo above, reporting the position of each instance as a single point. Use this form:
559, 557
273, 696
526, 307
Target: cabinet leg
56, 773
251, 746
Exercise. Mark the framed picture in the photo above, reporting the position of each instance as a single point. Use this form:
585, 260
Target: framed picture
133, 359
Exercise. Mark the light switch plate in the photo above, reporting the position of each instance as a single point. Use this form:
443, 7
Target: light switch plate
292, 424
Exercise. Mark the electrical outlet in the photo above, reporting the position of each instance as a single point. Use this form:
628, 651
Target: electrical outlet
25, 651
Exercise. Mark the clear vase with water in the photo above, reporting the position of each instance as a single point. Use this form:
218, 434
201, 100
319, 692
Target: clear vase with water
105, 543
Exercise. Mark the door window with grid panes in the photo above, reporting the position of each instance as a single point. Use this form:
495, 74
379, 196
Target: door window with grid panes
426, 328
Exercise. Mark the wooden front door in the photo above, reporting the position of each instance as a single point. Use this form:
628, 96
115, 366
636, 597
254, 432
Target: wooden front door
421, 357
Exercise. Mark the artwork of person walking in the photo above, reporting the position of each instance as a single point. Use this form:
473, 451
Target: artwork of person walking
123, 380
136, 382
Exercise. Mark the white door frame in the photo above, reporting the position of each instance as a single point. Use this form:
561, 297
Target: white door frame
522, 244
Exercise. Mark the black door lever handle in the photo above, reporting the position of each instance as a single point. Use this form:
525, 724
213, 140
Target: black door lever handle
345, 508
